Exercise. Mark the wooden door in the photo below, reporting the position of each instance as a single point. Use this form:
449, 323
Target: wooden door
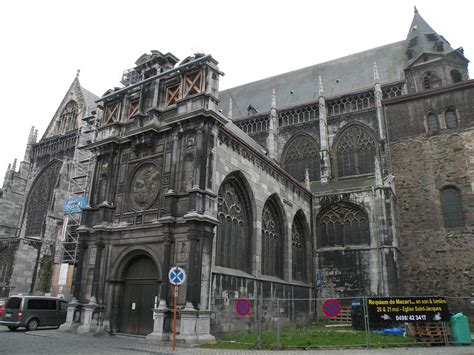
140, 289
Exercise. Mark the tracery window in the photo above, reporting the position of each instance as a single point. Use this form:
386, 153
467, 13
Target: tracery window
431, 80
272, 240
298, 246
451, 119
39, 199
302, 153
355, 152
341, 225
68, 117
233, 248
433, 124
452, 209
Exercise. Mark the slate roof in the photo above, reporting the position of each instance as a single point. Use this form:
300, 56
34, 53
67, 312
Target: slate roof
422, 39
89, 98
343, 75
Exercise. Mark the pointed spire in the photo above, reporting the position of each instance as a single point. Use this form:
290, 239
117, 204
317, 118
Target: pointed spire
229, 115
320, 84
30, 143
376, 73
14, 165
422, 39
273, 105
78, 72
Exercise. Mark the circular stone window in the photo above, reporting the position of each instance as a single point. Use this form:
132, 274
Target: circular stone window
145, 186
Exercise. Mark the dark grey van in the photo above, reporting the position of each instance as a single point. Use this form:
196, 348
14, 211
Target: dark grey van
33, 312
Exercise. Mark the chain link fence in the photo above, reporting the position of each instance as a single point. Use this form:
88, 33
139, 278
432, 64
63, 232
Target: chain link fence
320, 323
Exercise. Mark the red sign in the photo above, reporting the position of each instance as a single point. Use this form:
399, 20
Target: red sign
331, 308
242, 307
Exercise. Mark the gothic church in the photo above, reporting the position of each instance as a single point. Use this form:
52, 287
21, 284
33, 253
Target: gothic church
347, 178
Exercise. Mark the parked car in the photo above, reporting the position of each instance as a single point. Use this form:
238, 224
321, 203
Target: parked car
33, 312
2, 305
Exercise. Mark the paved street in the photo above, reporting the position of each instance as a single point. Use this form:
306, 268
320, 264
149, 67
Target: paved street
50, 341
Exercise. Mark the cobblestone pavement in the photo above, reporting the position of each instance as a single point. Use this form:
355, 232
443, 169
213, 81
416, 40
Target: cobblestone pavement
50, 341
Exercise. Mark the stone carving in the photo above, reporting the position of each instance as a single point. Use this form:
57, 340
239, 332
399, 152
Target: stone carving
145, 186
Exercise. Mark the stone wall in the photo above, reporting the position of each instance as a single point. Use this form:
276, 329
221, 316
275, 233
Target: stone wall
435, 259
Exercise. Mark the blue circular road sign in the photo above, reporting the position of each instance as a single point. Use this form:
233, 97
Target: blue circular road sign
177, 275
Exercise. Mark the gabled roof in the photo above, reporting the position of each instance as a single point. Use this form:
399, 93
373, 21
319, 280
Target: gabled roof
344, 75
84, 98
422, 39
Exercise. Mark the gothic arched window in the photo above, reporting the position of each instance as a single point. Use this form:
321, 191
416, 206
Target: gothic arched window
431, 81
451, 119
452, 209
355, 152
302, 153
233, 248
298, 246
272, 240
39, 199
341, 225
68, 117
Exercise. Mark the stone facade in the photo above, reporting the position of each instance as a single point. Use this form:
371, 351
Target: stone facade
348, 178
424, 163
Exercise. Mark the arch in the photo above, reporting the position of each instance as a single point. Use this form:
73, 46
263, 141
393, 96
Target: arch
456, 76
301, 152
452, 207
354, 150
431, 80
432, 122
127, 255
68, 117
273, 237
39, 198
235, 229
300, 244
450, 118
342, 224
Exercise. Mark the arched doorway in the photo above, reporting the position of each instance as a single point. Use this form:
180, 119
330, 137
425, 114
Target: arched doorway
141, 286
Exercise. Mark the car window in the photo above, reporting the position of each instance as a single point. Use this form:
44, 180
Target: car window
41, 304
63, 306
14, 303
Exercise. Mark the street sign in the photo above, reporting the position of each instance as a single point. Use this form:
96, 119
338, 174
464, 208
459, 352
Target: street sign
242, 307
331, 308
177, 275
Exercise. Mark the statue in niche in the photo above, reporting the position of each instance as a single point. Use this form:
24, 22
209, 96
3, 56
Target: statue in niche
145, 186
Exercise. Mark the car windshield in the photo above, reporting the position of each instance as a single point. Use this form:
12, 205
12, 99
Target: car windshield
13, 303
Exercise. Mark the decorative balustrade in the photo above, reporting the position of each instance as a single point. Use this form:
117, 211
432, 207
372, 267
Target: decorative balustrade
55, 144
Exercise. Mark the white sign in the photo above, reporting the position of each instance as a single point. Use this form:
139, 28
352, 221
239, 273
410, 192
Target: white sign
64, 229
63, 274
177, 275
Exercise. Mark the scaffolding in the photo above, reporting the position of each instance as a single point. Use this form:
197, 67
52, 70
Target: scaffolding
78, 187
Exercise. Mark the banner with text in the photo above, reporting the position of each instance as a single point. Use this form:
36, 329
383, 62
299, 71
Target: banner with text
407, 309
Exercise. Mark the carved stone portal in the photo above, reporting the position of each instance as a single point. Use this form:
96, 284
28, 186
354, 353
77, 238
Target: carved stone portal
145, 186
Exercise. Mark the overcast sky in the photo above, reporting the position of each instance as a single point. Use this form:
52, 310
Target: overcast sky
43, 43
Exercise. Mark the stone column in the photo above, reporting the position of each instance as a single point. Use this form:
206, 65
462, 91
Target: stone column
159, 335
74, 307
325, 162
272, 138
89, 326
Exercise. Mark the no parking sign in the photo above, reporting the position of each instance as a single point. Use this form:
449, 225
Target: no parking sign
331, 308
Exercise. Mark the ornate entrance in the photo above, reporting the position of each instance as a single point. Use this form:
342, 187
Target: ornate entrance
141, 286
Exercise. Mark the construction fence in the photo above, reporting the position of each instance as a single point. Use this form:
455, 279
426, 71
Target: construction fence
357, 322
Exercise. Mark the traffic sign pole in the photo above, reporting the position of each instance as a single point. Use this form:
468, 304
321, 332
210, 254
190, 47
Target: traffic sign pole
175, 291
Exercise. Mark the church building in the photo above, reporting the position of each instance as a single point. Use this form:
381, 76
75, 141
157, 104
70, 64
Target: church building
348, 178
